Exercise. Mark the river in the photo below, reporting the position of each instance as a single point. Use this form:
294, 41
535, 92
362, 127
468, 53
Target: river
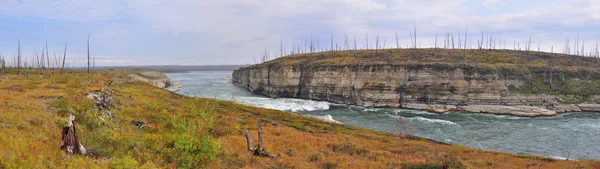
568, 135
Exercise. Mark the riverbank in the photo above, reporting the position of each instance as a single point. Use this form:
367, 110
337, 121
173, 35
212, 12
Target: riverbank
194, 132
522, 111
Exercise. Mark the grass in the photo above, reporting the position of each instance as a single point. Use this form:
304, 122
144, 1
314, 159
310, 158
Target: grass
472, 57
186, 132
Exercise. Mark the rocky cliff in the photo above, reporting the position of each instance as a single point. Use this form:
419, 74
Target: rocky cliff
385, 81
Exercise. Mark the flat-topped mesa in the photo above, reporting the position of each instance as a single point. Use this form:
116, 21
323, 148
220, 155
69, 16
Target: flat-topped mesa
438, 80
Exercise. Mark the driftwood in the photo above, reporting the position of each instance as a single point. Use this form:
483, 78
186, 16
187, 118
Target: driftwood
139, 124
70, 142
260, 151
104, 102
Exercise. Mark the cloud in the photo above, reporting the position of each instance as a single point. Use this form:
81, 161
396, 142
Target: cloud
64, 10
492, 4
230, 31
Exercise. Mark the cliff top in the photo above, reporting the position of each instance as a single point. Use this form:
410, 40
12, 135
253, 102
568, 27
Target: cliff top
472, 57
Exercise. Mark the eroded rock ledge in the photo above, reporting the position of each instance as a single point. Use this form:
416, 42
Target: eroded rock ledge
431, 87
155, 79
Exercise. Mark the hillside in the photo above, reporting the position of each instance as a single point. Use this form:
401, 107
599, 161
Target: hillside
186, 132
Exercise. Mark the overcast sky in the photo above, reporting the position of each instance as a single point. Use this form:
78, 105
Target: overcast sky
214, 32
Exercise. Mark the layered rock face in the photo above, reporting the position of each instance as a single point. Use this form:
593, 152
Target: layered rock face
431, 87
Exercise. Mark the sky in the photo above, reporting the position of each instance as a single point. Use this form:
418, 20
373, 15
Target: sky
226, 32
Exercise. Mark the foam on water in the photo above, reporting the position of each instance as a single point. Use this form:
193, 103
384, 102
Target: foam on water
430, 121
558, 158
370, 110
326, 118
412, 111
495, 116
283, 104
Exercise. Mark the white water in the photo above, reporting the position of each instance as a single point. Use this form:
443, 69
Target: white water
566, 136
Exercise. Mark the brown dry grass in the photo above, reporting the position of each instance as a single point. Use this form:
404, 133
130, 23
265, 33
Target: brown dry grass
493, 58
31, 121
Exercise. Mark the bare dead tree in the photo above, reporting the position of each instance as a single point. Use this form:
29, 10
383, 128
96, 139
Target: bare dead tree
3, 64
597, 52
415, 32
354, 42
448, 43
397, 44
445, 40
36, 58
312, 47
62, 68
452, 36
528, 46
465, 46
459, 42
435, 43
539, 45
304, 41
529, 43
88, 59
583, 47
47, 55
332, 49
577, 45
346, 45
481, 42
318, 43
42, 61
376, 43
367, 41
55, 60
411, 40
19, 55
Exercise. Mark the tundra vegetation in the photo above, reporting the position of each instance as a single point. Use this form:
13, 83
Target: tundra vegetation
186, 132
150, 127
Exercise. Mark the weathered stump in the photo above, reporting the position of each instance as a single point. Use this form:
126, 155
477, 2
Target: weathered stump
260, 151
70, 142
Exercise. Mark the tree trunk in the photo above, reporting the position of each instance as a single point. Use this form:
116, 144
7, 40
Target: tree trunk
249, 140
64, 57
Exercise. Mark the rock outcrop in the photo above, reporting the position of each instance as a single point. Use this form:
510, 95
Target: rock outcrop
155, 79
435, 87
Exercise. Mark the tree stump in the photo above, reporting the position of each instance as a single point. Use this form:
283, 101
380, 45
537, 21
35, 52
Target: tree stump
70, 142
260, 151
